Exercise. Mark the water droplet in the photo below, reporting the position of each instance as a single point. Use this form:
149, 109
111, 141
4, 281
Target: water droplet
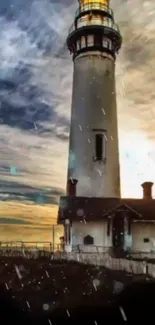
45, 307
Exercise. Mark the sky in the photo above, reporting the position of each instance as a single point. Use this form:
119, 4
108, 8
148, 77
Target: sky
35, 105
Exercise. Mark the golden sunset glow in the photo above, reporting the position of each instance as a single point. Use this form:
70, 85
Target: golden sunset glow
104, 2
36, 222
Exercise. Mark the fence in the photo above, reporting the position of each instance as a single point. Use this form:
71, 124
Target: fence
142, 256
90, 249
45, 249
114, 264
29, 249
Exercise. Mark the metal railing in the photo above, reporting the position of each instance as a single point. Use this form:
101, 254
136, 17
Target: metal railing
21, 244
94, 21
92, 6
57, 251
18, 248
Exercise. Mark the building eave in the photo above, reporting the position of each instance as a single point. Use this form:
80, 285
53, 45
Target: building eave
122, 207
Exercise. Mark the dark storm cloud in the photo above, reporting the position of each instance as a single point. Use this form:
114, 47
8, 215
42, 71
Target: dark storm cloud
15, 192
63, 137
21, 104
12, 186
39, 198
14, 221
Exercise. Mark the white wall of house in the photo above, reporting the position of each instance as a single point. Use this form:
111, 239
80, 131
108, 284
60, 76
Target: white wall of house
139, 231
98, 230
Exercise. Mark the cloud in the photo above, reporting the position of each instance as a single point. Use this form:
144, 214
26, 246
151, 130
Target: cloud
14, 221
38, 234
135, 77
35, 101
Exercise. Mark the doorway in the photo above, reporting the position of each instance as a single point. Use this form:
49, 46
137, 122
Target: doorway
118, 231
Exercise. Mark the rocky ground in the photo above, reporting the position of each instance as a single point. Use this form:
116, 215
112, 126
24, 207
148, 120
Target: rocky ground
43, 286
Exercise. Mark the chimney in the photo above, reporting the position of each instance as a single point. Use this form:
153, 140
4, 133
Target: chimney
71, 187
147, 190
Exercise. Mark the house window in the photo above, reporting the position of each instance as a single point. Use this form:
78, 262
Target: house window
146, 240
88, 240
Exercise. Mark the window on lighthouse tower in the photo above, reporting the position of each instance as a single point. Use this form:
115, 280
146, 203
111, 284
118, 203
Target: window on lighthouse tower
100, 144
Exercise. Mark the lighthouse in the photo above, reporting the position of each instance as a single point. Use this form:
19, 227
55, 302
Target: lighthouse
93, 174
95, 217
94, 41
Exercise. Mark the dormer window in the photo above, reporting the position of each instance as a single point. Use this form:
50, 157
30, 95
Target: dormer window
100, 143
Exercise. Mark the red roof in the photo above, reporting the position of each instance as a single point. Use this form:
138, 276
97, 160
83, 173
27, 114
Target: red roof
92, 209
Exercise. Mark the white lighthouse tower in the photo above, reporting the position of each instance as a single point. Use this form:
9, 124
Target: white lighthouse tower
93, 181
95, 218
93, 40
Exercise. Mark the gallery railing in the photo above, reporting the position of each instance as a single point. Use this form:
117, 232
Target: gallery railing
94, 21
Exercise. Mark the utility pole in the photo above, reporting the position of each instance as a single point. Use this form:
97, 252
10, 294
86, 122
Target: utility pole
53, 237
